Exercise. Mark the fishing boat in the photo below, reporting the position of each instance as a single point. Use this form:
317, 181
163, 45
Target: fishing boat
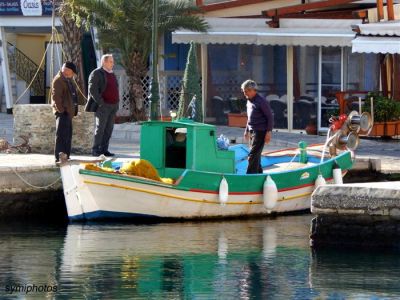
192, 178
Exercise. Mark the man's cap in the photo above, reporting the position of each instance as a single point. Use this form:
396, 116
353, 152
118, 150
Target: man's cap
70, 65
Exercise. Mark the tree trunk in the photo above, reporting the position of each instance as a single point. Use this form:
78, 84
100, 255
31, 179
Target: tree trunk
72, 46
136, 70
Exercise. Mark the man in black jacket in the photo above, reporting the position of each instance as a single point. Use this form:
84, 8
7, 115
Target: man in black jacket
259, 124
64, 101
103, 99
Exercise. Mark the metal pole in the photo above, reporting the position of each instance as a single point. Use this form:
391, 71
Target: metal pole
155, 97
52, 47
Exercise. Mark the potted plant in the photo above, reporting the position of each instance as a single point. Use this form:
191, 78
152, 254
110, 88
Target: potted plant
397, 115
311, 127
237, 116
386, 114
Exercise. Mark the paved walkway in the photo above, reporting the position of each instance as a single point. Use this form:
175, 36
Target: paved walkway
125, 142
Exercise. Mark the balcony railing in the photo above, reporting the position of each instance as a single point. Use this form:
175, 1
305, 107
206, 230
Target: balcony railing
25, 68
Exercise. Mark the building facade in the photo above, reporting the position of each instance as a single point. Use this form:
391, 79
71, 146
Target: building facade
300, 61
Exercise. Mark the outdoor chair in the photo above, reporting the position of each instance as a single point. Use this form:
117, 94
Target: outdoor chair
279, 110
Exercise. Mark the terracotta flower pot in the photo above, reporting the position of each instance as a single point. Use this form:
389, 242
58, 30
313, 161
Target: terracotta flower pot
237, 120
378, 129
311, 129
398, 127
166, 119
390, 128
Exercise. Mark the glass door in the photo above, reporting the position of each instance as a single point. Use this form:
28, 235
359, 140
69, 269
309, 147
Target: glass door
330, 82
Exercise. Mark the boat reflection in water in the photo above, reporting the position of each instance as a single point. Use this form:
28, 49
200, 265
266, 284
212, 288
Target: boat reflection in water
210, 260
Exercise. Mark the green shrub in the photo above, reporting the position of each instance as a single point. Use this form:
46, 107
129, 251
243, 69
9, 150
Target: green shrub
385, 109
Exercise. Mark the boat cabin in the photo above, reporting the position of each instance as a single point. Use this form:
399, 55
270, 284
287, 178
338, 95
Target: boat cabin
175, 146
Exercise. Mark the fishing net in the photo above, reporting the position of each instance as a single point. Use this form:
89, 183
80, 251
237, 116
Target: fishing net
140, 167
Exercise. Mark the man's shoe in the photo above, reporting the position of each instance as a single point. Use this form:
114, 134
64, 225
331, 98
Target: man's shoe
94, 153
108, 153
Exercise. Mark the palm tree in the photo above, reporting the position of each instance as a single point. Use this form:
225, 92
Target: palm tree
125, 26
73, 21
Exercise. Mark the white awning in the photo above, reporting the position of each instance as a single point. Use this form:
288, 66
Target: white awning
14, 21
391, 28
257, 32
376, 44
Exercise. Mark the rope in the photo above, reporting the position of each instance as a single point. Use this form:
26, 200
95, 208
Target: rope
34, 76
291, 161
58, 40
35, 186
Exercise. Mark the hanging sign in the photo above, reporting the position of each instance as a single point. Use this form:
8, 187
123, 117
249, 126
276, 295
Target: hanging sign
25, 7
31, 7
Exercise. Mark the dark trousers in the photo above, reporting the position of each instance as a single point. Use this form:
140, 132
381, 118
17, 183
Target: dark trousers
63, 135
257, 140
105, 115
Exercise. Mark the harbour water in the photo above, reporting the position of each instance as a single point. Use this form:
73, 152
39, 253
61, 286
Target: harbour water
234, 259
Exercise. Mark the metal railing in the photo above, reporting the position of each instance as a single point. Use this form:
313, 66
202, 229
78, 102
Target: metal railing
25, 68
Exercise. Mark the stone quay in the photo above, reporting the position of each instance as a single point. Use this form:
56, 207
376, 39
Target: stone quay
30, 184
356, 215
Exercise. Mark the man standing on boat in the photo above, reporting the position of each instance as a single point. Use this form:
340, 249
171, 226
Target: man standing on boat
64, 101
259, 124
103, 100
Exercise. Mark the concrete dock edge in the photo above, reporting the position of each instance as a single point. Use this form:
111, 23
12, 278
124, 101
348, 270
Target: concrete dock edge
364, 214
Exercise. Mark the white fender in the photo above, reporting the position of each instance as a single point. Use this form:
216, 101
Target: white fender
320, 181
337, 174
270, 193
223, 191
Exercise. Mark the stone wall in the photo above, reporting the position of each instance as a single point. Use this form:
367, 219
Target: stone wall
356, 215
355, 231
37, 121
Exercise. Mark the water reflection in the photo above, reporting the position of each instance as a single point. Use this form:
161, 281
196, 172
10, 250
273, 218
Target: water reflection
356, 274
29, 255
254, 259
232, 259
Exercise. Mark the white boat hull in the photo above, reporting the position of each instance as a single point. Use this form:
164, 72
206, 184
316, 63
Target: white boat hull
91, 197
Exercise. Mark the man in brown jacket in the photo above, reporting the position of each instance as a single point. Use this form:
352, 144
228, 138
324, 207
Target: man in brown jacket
64, 100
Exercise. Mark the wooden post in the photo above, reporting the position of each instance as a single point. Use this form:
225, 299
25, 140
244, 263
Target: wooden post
384, 79
379, 7
342, 103
396, 77
390, 9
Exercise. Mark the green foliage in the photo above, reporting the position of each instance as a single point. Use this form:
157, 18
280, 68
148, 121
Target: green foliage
238, 105
385, 109
191, 87
126, 24
125, 27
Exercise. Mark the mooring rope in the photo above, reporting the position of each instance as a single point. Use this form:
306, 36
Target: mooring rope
32, 185
57, 39
290, 163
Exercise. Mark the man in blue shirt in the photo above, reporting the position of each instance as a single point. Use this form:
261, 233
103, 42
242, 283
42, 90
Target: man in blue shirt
259, 124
